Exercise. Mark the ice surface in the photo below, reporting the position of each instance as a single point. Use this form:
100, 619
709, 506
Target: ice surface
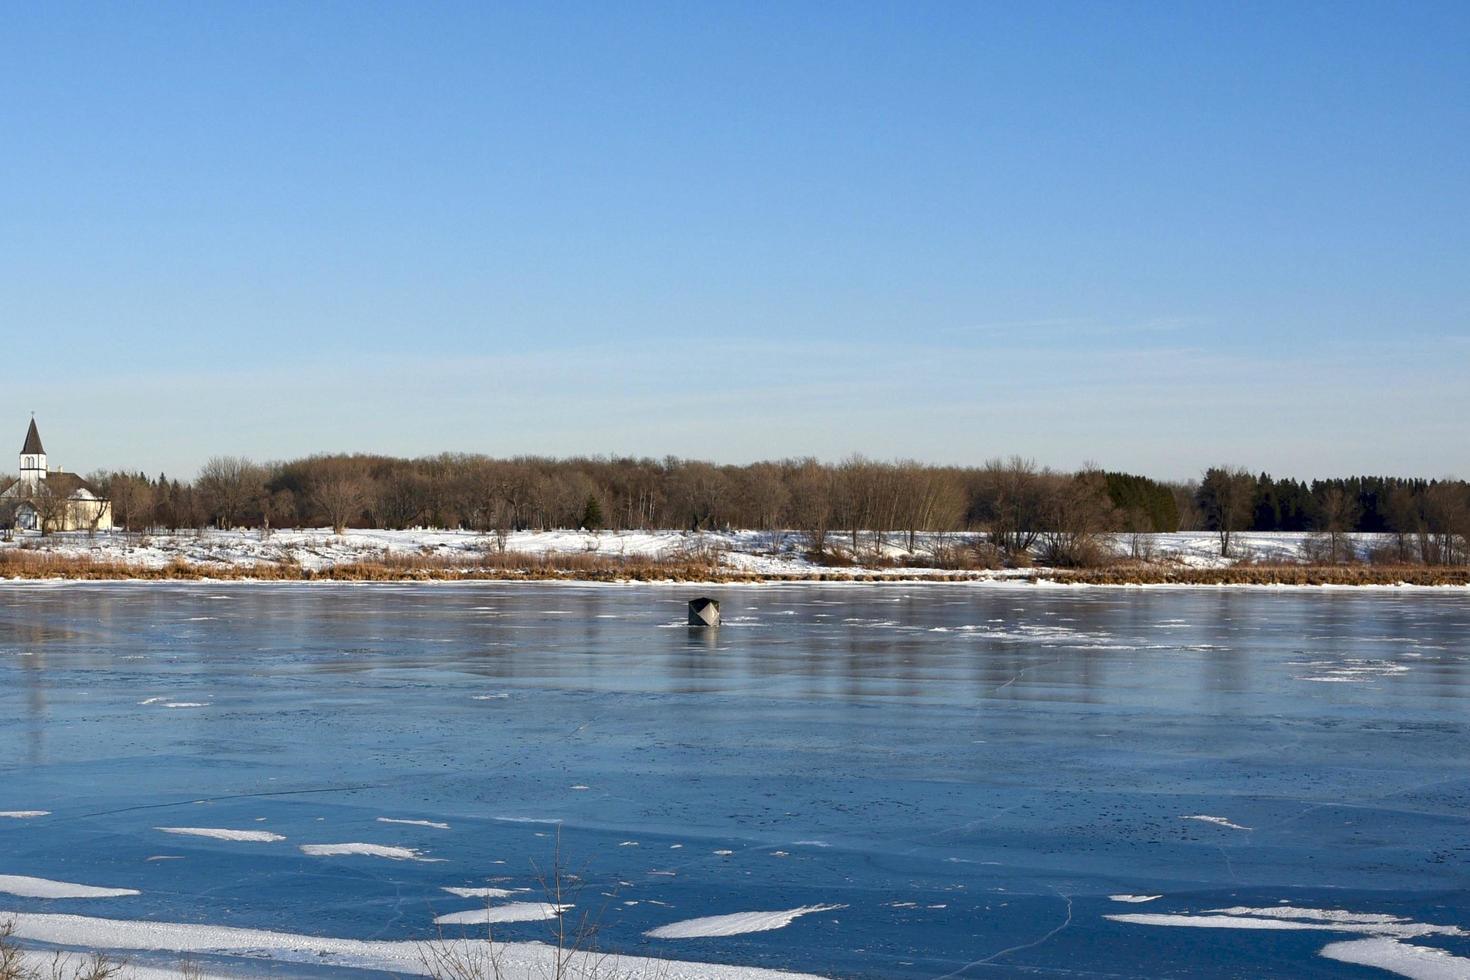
1046, 741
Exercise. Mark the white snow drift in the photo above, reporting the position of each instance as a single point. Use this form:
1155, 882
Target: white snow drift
27, 887
510, 912
364, 850
736, 923
517, 961
1384, 950
224, 833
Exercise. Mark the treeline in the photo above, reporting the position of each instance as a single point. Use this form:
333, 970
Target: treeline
475, 492
1429, 520
1019, 506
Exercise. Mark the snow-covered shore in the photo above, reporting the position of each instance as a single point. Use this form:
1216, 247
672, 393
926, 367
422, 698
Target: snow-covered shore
754, 553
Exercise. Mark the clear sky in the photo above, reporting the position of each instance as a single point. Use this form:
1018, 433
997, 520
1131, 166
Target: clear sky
1152, 235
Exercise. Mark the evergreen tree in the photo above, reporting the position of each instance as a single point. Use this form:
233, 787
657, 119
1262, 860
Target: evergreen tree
592, 514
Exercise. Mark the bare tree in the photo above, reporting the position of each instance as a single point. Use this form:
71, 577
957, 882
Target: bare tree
132, 500
1340, 513
1226, 497
1078, 513
1011, 500
810, 486
1443, 541
228, 484
341, 496
276, 508
52, 507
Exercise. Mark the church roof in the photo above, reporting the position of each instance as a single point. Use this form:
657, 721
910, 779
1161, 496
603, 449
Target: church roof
61, 484
69, 485
33, 442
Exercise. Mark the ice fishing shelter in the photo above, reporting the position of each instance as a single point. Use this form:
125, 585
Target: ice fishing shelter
704, 611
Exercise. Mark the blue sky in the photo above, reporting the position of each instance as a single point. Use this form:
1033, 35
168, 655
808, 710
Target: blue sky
1156, 236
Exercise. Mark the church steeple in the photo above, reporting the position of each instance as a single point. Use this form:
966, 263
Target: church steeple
33, 445
32, 458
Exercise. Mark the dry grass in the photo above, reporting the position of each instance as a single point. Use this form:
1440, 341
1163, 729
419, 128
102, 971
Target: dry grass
16, 965
1259, 574
28, 564
24, 563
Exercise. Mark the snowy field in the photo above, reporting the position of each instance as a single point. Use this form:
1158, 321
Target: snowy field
755, 552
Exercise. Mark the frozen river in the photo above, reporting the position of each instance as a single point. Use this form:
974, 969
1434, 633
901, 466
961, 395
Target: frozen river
924, 781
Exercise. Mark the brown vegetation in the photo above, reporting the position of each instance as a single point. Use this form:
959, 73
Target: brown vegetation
1259, 574
954, 560
15, 965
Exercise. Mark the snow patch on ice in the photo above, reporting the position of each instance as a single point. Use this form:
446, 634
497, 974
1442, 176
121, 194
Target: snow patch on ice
1292, 918
24, 814
512, 912
1416, 962
1217, 821
1134, 899
403, 957
415, 823
365, 850
1351, 671
1315, 915
27, 887
736, 923
222, 833
481, 892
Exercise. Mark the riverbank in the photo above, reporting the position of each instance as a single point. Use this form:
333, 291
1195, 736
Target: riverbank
671, 556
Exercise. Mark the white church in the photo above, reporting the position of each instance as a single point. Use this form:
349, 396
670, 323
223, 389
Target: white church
43, 500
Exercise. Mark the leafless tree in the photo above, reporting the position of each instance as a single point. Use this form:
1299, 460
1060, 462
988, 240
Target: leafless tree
276, 508
810, 486
1077, 515
341, 496
132, 500
1443, 541
1226, 496
1340, 514
228, 485
1011, 503
52, 507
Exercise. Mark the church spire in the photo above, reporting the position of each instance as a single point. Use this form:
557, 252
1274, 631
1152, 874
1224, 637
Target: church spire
33, 441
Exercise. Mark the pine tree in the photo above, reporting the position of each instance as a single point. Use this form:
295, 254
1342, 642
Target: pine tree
592, 514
